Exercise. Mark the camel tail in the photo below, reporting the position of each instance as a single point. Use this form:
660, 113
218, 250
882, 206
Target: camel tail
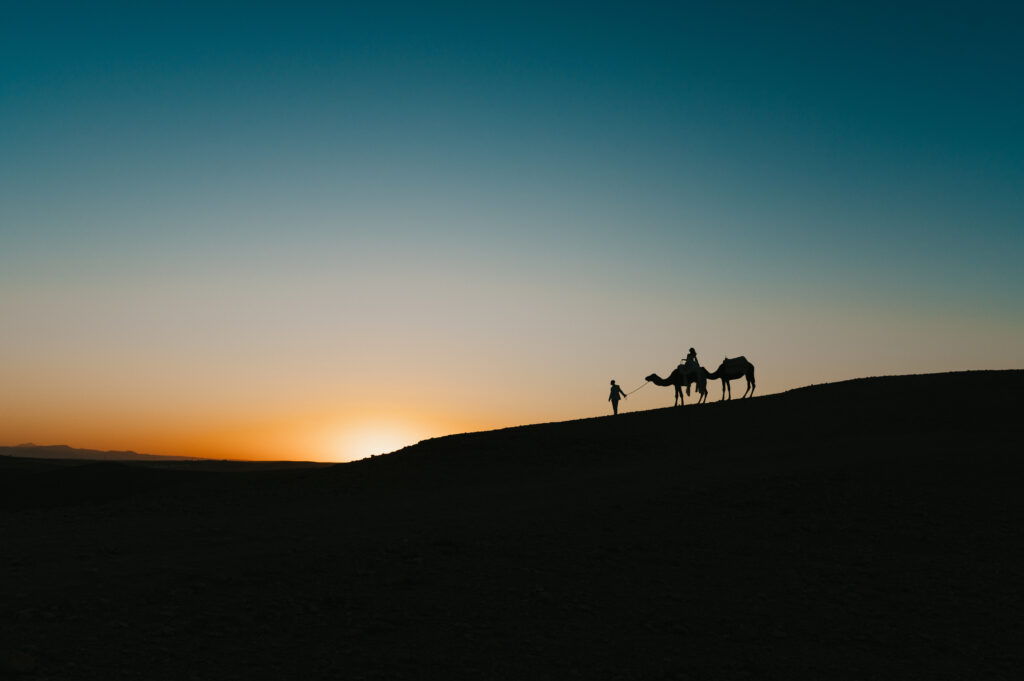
752, 381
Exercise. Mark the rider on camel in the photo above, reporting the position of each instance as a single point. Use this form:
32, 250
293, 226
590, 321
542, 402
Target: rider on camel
690, 367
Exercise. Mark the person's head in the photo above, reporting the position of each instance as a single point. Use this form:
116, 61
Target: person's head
692, 351
613, 381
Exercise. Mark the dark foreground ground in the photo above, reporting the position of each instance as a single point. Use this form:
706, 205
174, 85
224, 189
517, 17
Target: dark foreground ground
864, 530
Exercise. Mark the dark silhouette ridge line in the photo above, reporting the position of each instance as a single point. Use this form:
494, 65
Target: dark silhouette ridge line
726, 404
874, 386
865, 393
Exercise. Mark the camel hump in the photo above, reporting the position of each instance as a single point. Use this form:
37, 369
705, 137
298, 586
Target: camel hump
735, 361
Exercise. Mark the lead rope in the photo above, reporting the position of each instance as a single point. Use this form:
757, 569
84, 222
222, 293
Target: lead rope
642, 385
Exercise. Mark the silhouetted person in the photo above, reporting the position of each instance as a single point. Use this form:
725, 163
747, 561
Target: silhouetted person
614, 397
690, 365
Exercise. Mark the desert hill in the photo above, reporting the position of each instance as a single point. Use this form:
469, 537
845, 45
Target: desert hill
865, 529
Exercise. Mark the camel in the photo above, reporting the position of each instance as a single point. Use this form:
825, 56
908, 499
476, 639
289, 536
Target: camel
734, 368
679, 378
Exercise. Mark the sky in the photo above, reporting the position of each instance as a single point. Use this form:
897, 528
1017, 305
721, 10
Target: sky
325, 231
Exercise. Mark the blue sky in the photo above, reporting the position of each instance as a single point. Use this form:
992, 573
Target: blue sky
280, 196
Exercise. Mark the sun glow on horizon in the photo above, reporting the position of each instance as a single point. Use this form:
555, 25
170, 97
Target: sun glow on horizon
360, 440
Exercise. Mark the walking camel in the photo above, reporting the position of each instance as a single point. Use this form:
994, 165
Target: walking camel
734, 368
680, 378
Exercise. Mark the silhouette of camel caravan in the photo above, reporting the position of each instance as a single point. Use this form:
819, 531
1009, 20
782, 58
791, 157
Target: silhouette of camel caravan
728, 370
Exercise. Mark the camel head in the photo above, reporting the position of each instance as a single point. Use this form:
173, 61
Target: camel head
652, 377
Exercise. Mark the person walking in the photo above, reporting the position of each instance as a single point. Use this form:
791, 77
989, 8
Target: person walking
614, 397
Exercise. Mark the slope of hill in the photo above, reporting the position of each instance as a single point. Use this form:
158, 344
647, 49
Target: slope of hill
866, 529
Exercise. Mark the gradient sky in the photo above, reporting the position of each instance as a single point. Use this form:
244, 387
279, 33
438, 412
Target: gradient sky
321, 232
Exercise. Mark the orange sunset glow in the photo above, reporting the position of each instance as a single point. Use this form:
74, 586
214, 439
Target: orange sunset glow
338, 239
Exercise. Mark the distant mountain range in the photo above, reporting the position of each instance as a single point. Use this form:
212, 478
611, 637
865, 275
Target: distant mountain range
33, 451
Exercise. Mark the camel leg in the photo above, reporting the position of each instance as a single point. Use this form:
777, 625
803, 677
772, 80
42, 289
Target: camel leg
750, 383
